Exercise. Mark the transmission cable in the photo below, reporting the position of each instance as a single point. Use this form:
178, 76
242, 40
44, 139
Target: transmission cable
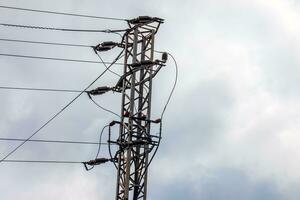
42, 161
99, 147
105, 109
106, 65
63, 13
174, 85
39, 89
45, 43
57, 59
59, 112
100, 140
63, 29
52, 141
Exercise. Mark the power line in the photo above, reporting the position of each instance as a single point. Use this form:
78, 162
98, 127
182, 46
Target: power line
45, 43
52, 141
63, 13
59, 90
63, 29
100, 139
105, 109
99, 147
59, 112
174, 85
42, 161
56, 59
106, 65
39, 89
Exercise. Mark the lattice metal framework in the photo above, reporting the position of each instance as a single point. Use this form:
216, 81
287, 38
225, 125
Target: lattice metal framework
135, 139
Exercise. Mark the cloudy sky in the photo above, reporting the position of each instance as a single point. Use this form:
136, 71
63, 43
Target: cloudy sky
231, 130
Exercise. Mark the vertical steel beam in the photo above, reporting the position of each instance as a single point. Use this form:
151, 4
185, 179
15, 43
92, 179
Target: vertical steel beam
149, 113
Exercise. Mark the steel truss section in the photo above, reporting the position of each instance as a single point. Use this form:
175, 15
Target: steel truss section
135, 139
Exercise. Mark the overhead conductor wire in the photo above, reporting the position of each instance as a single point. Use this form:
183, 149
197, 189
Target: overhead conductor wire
63, 13
106, 65
52, 141
63, 29
99, 146
105, 109
45, 43
101, 107
42, 161
100, 141
174, 85
58, 113
56, 59
39, 89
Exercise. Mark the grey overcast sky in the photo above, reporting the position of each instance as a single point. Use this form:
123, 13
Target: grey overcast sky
231, 131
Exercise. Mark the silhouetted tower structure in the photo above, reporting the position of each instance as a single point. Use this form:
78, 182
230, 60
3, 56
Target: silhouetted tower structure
137, 144
135, 139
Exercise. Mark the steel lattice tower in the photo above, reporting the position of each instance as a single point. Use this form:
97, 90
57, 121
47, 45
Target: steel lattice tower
136, 144
135, 140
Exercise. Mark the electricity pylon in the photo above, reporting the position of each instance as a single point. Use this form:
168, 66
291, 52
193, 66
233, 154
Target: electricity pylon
136, 143
135, 139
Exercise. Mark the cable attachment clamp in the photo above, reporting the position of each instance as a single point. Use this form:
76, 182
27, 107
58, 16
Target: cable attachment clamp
106, 46
99, 91
97, 161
